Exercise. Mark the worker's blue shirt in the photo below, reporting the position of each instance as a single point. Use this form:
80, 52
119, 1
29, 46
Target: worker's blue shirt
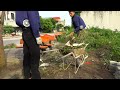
34, 20
77, 21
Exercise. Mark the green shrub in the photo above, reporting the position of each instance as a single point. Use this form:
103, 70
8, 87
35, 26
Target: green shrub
47, 24
8, 29
63, 38
105, 42
10, 46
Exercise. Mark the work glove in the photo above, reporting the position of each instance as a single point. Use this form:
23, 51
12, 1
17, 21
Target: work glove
81, 27
39, 40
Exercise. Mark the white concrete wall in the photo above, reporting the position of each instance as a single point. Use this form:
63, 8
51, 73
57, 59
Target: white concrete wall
10, 22
106, 19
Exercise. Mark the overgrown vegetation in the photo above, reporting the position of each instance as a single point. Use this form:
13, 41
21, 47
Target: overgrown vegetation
104, 42
59, 26
67, 27
47, 24
8, 29
78, 12
66, 32
10, 46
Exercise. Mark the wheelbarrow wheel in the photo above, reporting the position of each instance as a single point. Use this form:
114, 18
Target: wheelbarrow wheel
50, 47
41, 52
78, 62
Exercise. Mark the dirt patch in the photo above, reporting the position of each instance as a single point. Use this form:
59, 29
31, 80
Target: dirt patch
13, 69
92, 69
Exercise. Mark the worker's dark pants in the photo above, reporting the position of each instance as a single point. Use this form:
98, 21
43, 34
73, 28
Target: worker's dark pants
78, 33
31, 55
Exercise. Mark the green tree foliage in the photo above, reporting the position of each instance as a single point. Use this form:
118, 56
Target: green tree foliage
8, 29
77, 12
47, 24
67, 27
59, 26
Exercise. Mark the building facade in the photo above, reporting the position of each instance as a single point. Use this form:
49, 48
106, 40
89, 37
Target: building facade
9, 19
59, 21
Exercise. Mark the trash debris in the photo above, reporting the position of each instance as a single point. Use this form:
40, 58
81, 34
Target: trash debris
44, 65
104, 64
41, 60
68, 43
76, 44
88, 63
92, 60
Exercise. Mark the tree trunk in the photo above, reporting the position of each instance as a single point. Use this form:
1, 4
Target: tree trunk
2, 53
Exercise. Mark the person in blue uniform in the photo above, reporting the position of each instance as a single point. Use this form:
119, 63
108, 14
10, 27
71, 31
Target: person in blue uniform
78, 25
77, 22
29, 21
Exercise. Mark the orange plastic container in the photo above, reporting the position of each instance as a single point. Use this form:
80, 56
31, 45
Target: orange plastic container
43, 47
21, 41
58, 33
45, 39
50, 37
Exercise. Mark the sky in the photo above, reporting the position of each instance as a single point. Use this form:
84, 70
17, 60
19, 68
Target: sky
62, 14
